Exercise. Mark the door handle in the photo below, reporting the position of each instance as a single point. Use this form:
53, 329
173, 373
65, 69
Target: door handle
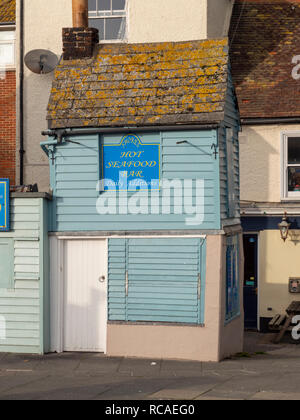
102, 279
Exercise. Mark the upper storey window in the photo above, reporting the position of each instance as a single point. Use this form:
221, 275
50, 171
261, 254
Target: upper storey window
291, 165
109, 17
7, 49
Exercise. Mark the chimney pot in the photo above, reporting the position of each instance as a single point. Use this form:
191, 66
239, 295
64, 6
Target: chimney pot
80, 13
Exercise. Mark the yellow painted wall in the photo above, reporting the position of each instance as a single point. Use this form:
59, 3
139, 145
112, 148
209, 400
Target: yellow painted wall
277, 262
260, 161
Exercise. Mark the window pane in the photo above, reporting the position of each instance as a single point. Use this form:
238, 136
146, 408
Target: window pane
294, 178
7, 35
92, 5
118, 4
98, 24
294, 150
104, 4
115, 28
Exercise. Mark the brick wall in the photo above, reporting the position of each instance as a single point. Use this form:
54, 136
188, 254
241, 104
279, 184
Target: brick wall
8, 126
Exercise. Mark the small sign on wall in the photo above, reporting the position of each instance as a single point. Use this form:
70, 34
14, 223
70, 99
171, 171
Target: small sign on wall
4, 205
131, 165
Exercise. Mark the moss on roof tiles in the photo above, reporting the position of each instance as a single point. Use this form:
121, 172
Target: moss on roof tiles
142, 84
7, 11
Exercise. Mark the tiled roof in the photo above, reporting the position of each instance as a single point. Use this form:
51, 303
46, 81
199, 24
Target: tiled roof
142, 84
265, 43
7, 11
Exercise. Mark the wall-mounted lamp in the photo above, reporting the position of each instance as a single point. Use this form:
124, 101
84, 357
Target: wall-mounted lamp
284, 227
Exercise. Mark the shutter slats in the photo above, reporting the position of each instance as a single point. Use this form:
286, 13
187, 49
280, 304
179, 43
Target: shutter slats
163, 280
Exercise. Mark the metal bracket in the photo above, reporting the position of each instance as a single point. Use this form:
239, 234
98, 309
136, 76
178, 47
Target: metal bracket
215, 147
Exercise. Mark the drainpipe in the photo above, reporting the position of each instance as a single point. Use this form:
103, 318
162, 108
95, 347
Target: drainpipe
21, 93
80, 13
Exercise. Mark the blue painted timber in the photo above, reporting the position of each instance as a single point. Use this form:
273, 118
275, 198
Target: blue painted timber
165, 280
187, 155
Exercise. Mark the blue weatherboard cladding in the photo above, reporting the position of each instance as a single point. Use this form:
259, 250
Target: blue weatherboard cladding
161, 279
24, 278
232, 121
76, 167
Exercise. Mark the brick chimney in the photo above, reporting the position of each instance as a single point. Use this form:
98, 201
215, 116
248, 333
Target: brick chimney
79, 41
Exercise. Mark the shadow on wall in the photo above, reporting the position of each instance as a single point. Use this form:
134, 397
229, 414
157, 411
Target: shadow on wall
36, 97
259, 165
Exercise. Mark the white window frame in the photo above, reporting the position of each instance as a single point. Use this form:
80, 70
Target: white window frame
109, 15
285, 193
4, 28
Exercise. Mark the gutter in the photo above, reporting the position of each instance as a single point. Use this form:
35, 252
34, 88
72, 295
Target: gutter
267, 121
59, 134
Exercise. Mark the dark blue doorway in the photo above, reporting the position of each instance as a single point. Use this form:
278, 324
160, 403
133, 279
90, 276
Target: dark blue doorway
250, 280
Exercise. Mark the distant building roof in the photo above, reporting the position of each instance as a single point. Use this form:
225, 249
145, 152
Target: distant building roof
7, 11
265, 40
142, 85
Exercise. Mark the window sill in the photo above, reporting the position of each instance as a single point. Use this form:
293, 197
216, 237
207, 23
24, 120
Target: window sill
6, 69
113, 41
290, 199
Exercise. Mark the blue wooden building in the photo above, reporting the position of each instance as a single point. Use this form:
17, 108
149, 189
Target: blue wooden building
24, 276
145, 234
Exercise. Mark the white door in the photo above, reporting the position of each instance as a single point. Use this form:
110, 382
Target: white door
85, 295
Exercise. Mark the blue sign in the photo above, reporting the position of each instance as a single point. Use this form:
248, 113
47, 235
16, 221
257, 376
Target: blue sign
4, 204
131, 165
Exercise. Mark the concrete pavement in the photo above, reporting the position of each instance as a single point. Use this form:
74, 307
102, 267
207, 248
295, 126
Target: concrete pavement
263, 371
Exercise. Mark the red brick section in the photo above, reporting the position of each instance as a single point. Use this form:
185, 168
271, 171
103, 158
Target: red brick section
8, 126
265, 39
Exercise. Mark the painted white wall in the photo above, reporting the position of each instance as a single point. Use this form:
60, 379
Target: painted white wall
166, 20
42, 30
260, 162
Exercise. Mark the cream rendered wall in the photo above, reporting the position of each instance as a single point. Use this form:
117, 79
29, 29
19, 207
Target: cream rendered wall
166, 20
260, 162
278, 262
43, 30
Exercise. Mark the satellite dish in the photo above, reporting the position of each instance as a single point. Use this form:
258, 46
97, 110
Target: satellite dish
41, 61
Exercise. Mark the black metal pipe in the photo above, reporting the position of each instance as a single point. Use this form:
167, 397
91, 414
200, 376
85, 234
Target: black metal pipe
268, 121
61, 133
21, 93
